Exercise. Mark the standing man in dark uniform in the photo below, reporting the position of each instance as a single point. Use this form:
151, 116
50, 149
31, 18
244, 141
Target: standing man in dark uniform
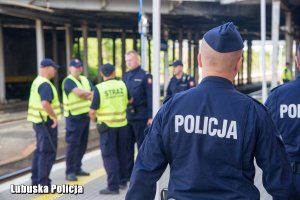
44, 112
109, 110
284, 106
210, 135
180, 81
77, 95
139, 112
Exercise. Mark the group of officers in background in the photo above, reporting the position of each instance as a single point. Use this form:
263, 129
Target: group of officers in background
122, 109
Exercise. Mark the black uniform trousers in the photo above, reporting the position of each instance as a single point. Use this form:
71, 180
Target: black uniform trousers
44, 154
113, 145
77, 132
135, 133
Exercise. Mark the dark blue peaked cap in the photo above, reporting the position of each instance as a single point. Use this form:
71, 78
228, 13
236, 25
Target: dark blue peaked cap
224, 38
107, 69
46, 62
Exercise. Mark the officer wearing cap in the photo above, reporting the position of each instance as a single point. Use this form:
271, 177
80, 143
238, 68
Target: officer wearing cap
44, 112
180, 81
210, 135
284, 107
77, 93
108, 109
139, 112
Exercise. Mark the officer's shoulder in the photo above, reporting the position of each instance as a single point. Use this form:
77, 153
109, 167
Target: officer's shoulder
257, 103
275, 88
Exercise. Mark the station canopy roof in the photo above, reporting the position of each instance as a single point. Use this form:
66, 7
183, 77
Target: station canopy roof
197, 16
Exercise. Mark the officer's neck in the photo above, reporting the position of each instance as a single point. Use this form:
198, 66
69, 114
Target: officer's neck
109, 77
76, 76
228, 76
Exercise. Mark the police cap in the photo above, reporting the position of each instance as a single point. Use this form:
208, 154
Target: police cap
47, 62
75, 63
177, 63
107, 69
224, 38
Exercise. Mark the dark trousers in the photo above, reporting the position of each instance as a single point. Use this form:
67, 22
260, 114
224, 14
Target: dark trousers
113, 145
135, 134
44, 154
77, 132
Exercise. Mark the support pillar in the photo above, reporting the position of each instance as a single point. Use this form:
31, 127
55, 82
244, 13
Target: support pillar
289, 38
2, 68
40, 50
173, 49
68, 36
180, 36
149, 55
99, 40
55, 55
84, 27
166, 64
249, 61
196, 51
275, 38
114, 50
190, 52
123, 51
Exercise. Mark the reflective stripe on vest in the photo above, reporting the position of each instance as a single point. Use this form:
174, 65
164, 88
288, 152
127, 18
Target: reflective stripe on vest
35, 107
72, 103
113, 103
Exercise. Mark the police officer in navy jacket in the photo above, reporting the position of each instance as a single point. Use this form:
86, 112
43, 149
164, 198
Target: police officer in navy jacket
210, 135
180, 81
284, 106
139, 112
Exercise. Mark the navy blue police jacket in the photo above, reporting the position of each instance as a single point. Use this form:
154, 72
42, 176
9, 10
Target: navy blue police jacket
139, 84
178, 85
209, 135
284, 107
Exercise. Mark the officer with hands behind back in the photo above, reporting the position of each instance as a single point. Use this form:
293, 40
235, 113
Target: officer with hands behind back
109, 110
139, 112
284, 107
77, 95
210, 135
44, 112
180, 81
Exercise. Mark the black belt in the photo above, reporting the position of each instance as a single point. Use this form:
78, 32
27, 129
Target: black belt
295, 167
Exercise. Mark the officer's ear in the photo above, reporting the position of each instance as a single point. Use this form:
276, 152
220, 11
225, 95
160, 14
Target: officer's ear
199, 60
238, 64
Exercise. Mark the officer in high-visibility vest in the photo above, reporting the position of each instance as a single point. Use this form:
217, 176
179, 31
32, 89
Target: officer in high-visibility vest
286, 73
77, 93
109, 110
44, 112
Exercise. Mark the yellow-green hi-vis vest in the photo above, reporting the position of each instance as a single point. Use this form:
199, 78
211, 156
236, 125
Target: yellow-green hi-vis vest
72, 103
35, 107
113, 103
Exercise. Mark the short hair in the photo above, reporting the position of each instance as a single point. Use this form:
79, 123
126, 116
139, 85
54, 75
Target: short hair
132, 52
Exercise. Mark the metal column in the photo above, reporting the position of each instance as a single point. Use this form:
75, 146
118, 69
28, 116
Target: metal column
180, 43
55, 55
189, 53
166, 63
99, 39
262, 51
275, 38
173, 50
249, 61
289, 38
196, 51
2, 67
149, 56
68, 43
123, 51
114, 50
156, 63
40, 51
84, 27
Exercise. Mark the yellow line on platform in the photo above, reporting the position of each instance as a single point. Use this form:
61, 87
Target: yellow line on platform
82, 180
